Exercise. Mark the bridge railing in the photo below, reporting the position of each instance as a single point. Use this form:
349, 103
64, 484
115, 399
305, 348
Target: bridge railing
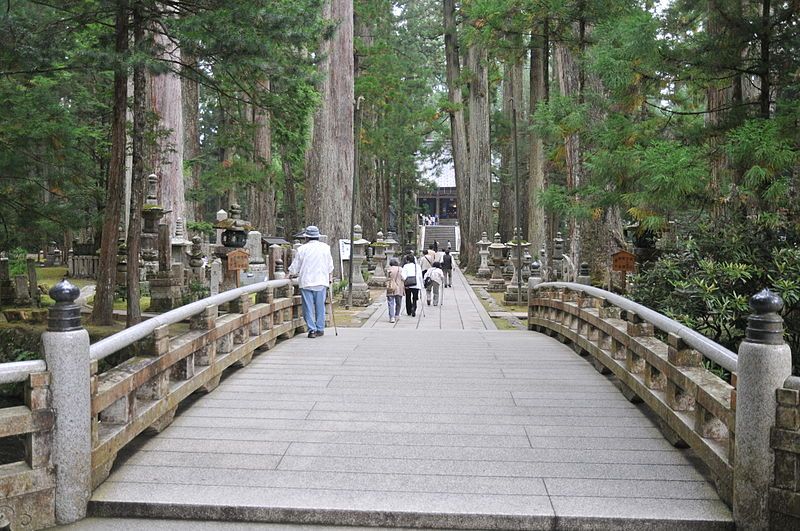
658, 360
85, 402
745, 431
28, 485
174, 358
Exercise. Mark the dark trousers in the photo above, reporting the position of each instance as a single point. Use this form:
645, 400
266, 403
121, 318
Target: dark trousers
412, 295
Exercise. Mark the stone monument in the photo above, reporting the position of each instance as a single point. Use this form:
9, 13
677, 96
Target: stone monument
378, 278
517, 247
257, 269
483, 268
496, 283
361, 296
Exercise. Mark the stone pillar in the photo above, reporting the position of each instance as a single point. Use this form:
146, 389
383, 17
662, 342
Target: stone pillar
196, 261
221, 216
765, 361
66, 352
483, 268
257, 266
378, 278
33, 282
215, 276
361, 295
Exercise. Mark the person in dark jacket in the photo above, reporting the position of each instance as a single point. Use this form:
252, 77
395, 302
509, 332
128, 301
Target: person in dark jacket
447, 269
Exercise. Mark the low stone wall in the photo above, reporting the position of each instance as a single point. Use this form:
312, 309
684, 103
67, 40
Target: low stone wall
784, 499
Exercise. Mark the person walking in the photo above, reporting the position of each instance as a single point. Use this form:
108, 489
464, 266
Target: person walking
395, 287
412, 287
313, 267
436, 277
426, 262
447, 268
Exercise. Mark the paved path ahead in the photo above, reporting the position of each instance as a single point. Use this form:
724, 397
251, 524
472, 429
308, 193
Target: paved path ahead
459, 309
417, 426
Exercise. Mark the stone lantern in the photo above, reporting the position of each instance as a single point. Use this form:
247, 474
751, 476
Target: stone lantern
496, 249
378, 278
517, 248
360, 294
526, 264
392, 247
483, 268
151, 214
558, 256
234, 233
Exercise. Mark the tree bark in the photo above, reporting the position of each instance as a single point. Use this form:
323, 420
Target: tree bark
329, 160
134, 314
166, 103
103, 311
261, 195
190, 90
512, 102
480, 198
536, 166
458, 132
292, 213
568, 72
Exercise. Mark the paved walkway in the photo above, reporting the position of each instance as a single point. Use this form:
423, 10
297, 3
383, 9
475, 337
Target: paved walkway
416, 425
459, 309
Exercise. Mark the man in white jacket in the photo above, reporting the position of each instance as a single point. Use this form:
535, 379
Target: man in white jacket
313, 266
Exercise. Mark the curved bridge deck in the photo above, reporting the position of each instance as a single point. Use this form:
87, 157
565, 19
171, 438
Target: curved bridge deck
417, 426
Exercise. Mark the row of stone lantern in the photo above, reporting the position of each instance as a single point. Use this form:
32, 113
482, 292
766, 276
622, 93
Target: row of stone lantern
521, 263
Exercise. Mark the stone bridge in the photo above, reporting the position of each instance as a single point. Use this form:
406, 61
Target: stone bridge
604, 415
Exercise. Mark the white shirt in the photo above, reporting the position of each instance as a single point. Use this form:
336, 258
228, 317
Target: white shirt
412, 270
313, 265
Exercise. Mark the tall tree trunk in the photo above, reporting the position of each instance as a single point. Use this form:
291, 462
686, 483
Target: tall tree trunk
764, 39
458, 132
291, 209
166, 103
103, 311
134, 314
480, 198
190, 90
569, 76
329, 160
539, 83
261, 195
512, 103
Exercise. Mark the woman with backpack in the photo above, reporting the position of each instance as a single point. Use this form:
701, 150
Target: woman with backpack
395, 287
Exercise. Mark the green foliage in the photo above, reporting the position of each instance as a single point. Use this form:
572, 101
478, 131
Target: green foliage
17, 261
696, 285
203, 227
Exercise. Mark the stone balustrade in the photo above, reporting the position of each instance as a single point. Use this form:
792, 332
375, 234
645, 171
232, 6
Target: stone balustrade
28, 486
755, 460
784, 499
166, 359
172, 362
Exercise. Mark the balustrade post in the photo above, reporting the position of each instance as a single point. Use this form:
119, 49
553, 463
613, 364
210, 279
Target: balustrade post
764, 363
66, 352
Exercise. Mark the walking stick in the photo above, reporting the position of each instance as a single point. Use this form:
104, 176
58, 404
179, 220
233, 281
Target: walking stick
333, 314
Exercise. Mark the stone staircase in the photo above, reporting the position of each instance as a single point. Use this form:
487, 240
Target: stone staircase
441, 234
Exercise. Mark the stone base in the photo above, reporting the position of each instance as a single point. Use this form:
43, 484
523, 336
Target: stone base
165, 294
496, 285
510, 296
361, 296
376, 282
484, 273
